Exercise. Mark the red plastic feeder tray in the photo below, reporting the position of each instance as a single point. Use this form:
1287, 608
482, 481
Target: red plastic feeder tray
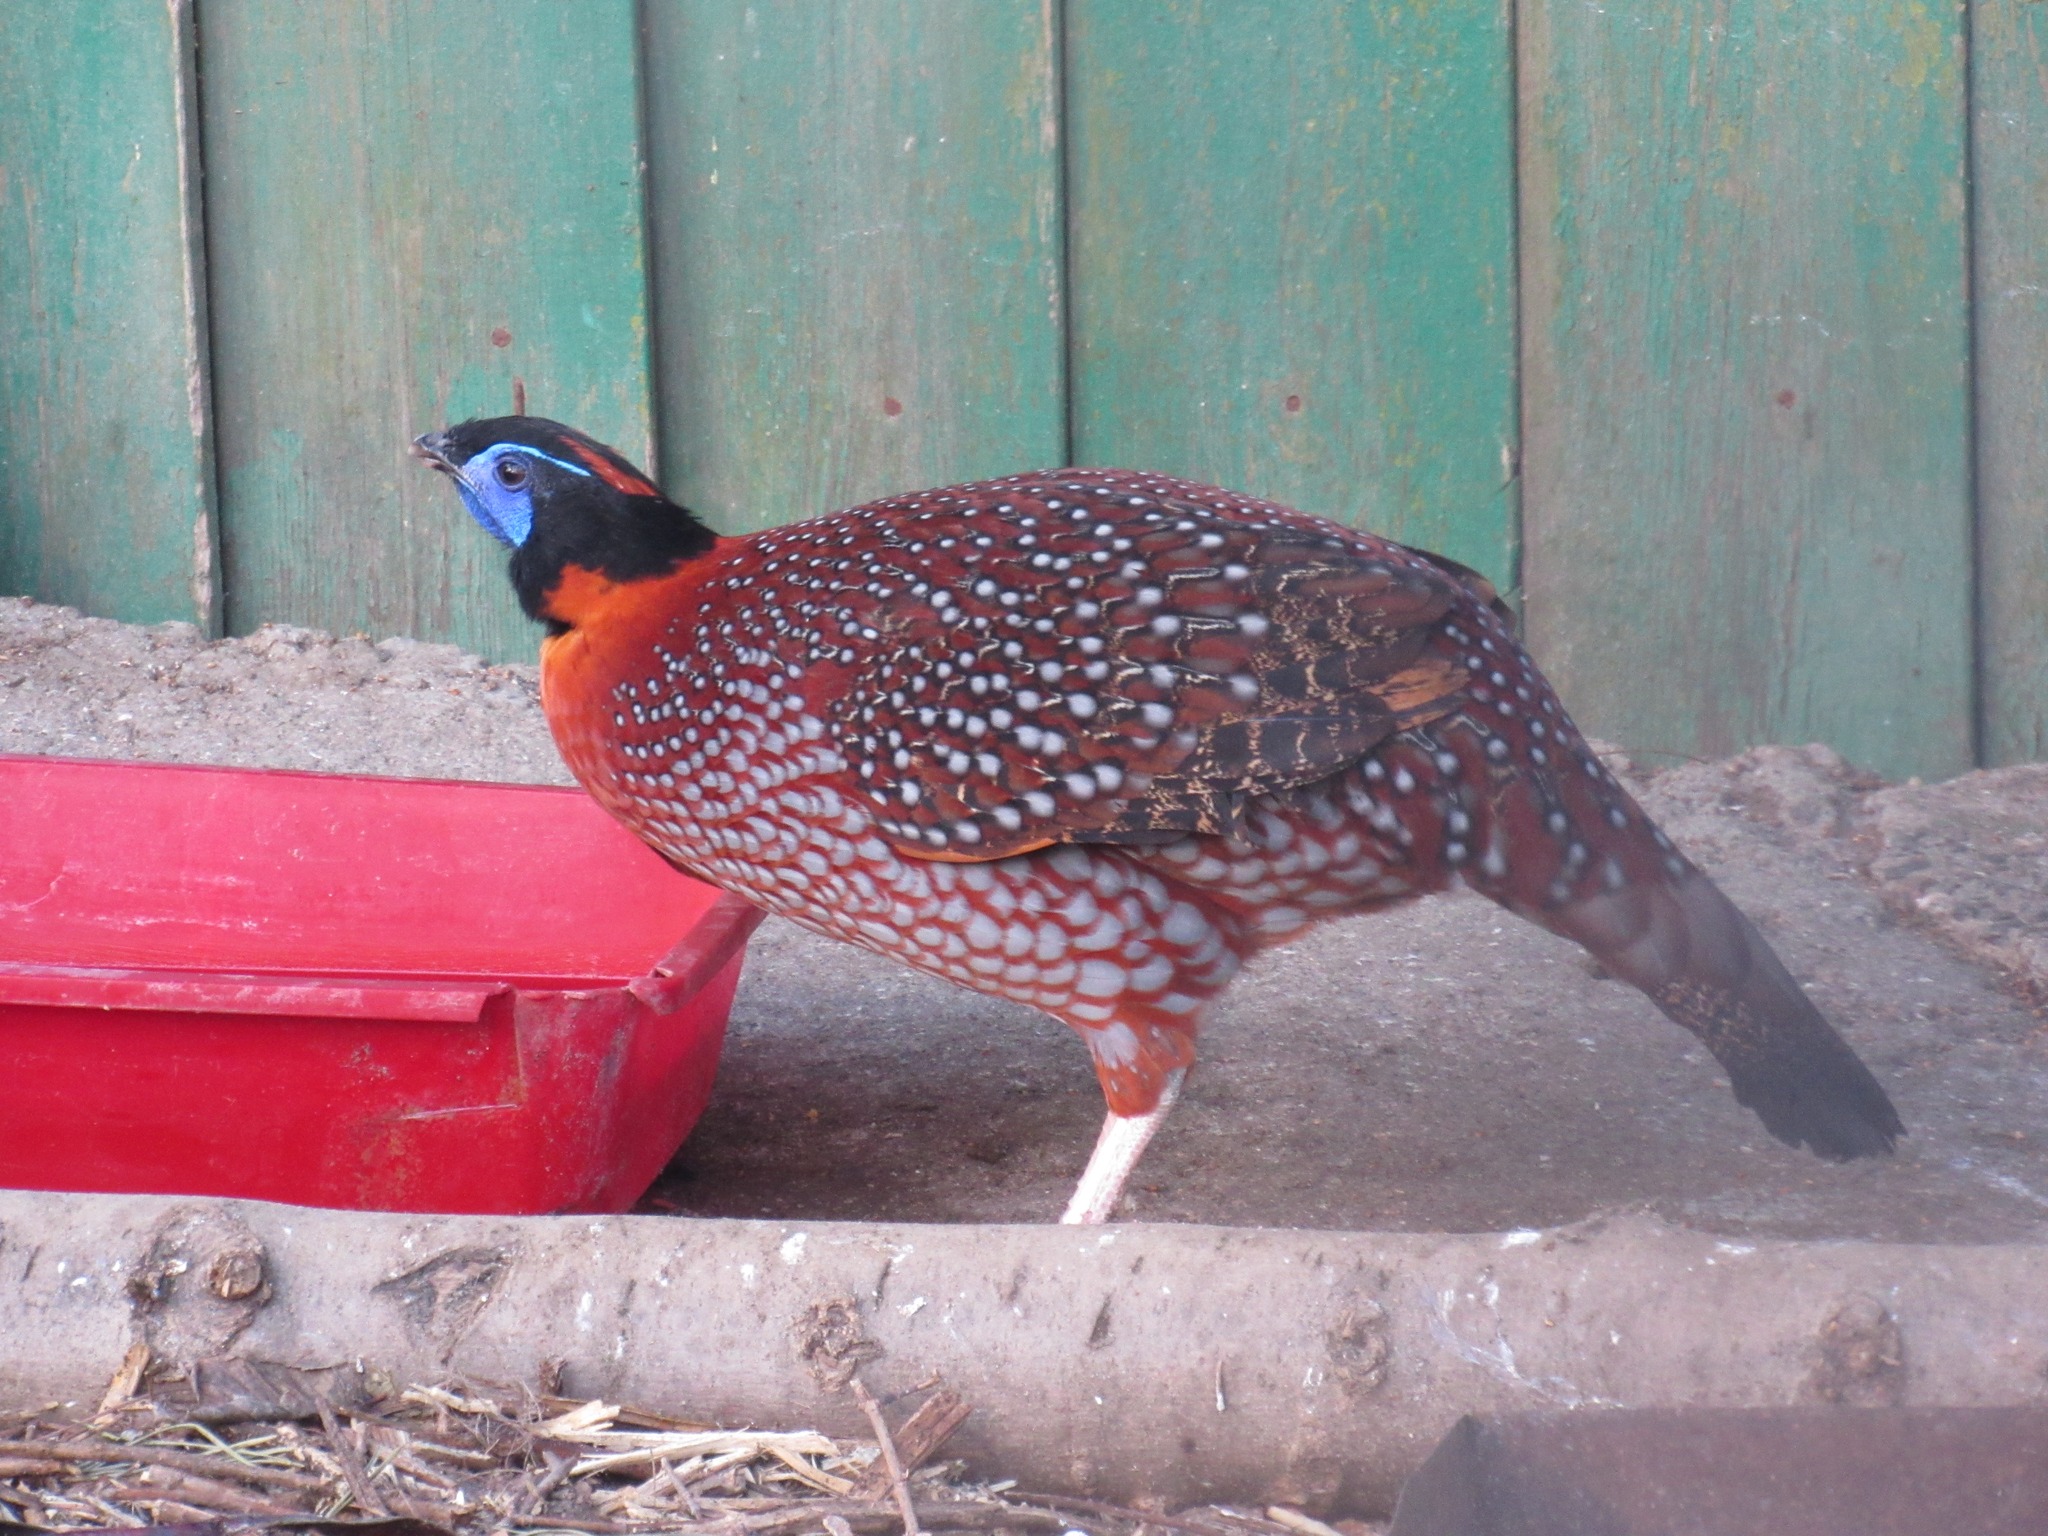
388, 994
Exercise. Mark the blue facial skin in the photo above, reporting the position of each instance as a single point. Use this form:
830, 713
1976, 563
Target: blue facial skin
497, 487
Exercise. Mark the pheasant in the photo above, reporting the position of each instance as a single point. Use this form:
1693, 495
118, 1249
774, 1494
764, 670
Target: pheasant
1090, 739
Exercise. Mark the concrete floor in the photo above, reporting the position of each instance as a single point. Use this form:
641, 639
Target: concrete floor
1440, 1068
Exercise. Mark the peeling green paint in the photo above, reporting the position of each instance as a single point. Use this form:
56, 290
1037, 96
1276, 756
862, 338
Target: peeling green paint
106, 493
392, 243
1291, 228
1745, 393
1741, 392
2009, 97
857, 249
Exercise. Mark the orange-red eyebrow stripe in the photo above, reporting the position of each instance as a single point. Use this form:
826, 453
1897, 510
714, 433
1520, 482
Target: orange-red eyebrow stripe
610, 473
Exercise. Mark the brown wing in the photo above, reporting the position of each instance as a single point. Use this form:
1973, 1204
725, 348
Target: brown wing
1087, 657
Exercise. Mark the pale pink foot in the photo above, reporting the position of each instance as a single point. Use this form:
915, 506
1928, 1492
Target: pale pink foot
1116, 1154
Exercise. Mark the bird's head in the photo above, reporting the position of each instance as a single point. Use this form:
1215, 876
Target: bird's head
572, 511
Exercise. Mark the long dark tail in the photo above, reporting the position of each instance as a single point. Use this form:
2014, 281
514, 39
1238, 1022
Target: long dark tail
1592, 867
1700, 960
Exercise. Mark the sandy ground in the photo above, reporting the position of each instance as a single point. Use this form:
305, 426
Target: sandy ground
1445, 1067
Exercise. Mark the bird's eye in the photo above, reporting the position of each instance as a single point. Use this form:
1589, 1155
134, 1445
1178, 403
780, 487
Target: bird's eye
511, 472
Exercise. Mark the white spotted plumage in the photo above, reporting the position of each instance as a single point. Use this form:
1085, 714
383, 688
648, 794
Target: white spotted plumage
800, 735
1091, 739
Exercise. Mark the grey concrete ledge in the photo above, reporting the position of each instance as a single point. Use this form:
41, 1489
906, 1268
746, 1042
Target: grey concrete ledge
1189, 1362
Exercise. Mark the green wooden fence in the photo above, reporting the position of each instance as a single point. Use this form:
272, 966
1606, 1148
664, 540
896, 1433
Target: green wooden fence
1719, 331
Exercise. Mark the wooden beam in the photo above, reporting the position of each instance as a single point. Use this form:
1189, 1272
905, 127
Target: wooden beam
106, 473
2009, 281
1293, 257
856, 248
1747, 478
408, 207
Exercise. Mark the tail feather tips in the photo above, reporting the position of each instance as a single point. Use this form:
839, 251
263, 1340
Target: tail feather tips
1706, 966
1786, 1062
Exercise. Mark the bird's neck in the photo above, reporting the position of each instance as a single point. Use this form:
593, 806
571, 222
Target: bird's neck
568, 578
602, 630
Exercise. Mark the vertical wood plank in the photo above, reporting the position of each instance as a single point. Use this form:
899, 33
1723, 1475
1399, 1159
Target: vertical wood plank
2009, 284
106, 488
409, 205
1292, 256
857, 248
1746, 495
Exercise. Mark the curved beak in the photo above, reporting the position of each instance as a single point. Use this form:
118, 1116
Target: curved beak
431, 448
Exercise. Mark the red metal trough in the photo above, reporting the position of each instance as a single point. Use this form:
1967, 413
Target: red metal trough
376, 993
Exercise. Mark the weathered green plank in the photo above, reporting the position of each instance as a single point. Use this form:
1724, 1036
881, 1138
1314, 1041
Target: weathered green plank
408, 205
1745, 408
106, 489
2009, 284
1292, 256
857, 250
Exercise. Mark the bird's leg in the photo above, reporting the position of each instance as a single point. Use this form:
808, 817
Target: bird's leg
1117, 1151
